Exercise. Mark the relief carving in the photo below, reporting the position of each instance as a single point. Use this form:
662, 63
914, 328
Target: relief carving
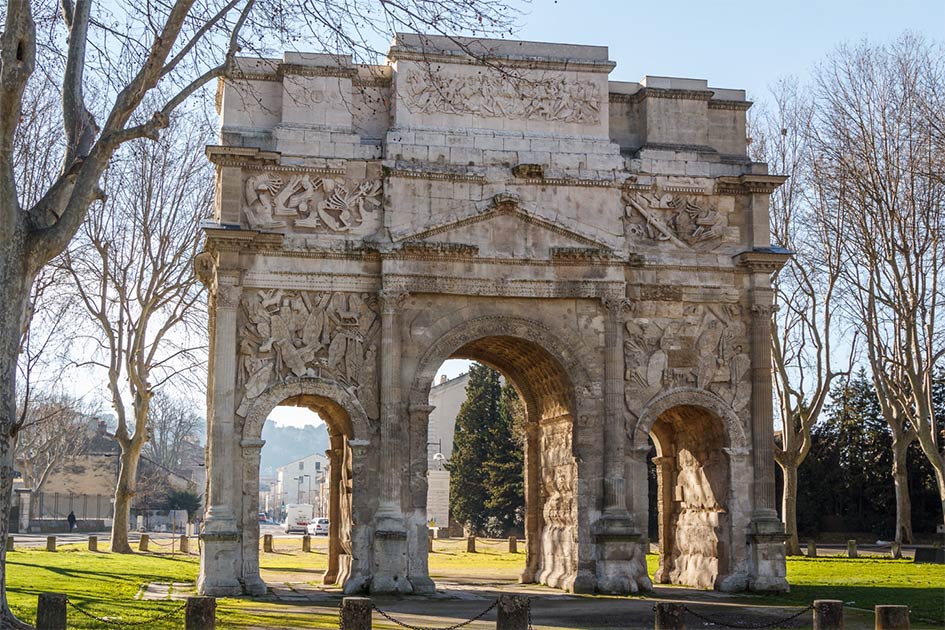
706, 349
686, 221
496, 96
308, 201
300, 333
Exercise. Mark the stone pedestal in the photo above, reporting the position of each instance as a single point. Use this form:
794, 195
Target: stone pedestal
218, 564
390, 561
768, 569
621, 559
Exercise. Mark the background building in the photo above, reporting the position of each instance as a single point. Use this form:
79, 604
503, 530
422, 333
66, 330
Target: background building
299, 481
447, 397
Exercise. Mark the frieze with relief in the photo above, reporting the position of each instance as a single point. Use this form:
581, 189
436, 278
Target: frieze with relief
687, 221
286, 334
706, 349
494, 96
276, 200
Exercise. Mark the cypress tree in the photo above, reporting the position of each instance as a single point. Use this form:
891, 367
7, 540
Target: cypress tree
505, 479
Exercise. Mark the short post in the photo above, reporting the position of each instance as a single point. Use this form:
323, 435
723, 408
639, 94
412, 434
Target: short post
306, 543
512, 612
356, 613
9, 543
143, 542
892, 617
184, 544
513, 544
51, 611
851, 548
50, 543
668, 616
811, 549
93, 543
267, 543
471, 544
828, 614
896, 550
200, 613
430, 543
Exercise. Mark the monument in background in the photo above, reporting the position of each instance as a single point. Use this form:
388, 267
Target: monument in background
603, 244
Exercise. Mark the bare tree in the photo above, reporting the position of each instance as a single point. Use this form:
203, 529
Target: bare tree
55, 427
804, 289
877, 132
132, 270
172, 425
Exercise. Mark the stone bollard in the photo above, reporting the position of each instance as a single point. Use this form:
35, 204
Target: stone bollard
143, 542
356, 613
851, 549
896, 550
513, 544
184, 544
669, 616
471, 544
51, 611
811, 549
9, 543
50, 543
93, 543
513, 613
828, 614
267, 543
892, 618
430, 544
200, 613
306, 543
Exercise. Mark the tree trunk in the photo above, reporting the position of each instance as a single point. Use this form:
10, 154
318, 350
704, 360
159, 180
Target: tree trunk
16, 283
124, 493
789, 508
903, 501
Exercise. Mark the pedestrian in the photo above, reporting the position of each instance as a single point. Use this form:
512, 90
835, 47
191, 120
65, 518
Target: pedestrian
72, 521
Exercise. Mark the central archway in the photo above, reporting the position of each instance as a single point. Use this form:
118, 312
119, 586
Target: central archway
533, 360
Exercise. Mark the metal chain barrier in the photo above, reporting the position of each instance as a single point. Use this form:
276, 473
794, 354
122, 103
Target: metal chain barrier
748, 626
128, 624
453, 627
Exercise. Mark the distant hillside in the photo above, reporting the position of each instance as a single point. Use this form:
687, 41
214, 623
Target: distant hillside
286, 444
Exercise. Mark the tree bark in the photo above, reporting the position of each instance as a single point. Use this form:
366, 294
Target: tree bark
903, 500
789, 508
124, 494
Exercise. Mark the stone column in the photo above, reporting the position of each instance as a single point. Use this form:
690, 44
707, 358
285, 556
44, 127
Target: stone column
390, 534
533, 500
335, 460
735, 577
252, 582
417, 532
666, 506
218, 571
762, 408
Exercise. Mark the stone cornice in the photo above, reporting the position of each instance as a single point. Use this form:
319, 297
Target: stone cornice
241, 156
405, 53
762, 260
685, 95
749, 184
739, 106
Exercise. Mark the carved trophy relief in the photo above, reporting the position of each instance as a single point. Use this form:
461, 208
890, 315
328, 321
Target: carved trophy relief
499, 97
325, 204
298, 333
706, 348
689, 222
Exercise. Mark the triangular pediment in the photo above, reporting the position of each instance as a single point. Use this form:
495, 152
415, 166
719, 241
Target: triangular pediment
503, 228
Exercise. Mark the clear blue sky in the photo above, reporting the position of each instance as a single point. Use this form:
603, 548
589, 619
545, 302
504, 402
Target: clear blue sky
741, 45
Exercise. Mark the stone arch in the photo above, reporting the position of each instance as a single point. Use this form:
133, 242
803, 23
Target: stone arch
562, 398
350, 432
690, 397
695, 434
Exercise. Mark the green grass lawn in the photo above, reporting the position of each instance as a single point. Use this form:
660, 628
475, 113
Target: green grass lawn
105, 584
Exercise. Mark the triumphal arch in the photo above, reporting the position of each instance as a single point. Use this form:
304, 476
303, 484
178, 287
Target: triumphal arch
603, 244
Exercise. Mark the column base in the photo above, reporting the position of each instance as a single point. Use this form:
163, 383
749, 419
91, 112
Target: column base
218, 576
390, 562
768, 559
621, 562
255, 587
422, 585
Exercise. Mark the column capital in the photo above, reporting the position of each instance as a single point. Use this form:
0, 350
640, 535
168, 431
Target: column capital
617, 306
392, 299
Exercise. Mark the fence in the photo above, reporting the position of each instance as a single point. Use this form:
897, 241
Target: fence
57, 505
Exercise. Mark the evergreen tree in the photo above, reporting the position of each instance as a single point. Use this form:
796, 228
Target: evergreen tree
487, 489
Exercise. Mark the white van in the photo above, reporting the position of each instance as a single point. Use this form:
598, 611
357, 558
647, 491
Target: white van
298, 516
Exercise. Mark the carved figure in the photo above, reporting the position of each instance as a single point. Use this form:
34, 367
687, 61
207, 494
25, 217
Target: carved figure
688, 222
490, 96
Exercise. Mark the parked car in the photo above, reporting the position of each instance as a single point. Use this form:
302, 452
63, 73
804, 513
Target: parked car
263, 518
318, 527
298, 516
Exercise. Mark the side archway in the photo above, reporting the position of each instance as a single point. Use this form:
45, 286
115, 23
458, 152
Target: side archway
699, 442
351, 506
